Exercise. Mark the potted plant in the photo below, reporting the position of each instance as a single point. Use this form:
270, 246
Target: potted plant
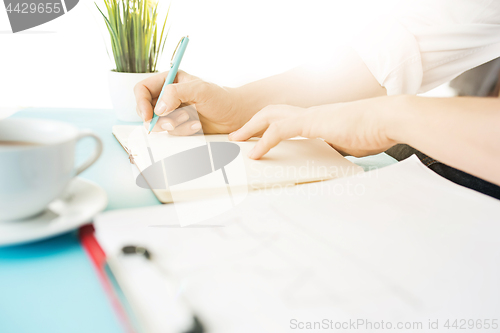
136, 44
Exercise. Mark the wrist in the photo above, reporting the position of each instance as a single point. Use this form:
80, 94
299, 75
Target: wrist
240, 106
236, 100
397, 118
257, 95
247, 101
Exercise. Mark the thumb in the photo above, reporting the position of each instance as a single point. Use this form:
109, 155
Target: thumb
175, 94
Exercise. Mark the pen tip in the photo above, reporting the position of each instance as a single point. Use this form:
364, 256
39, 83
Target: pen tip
149, 132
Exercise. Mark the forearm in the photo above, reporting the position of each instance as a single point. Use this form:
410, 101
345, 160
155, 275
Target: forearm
345, 78
463, 132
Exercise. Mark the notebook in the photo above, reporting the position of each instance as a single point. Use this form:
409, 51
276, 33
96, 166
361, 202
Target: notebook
292, 162
398, 245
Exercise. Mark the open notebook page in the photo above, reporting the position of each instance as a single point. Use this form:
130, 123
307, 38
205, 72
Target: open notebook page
291, 162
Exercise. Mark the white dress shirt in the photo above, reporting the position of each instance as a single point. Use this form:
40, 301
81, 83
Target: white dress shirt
424, 43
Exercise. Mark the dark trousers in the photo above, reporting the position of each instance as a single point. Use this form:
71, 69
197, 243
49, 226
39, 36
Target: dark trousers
401, 152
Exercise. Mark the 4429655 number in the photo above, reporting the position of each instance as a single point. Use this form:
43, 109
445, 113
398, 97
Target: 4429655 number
468, 324
25, 8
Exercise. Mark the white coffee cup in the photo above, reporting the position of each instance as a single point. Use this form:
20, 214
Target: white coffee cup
31, 176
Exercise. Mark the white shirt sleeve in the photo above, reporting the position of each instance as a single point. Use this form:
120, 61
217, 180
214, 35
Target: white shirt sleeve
425, 43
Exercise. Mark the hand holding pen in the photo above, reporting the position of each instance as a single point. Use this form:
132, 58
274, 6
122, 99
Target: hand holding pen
188, 103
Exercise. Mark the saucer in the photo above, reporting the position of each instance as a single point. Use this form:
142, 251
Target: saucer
81, 201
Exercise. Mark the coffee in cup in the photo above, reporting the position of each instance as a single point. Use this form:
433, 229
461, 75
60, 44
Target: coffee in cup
37, 162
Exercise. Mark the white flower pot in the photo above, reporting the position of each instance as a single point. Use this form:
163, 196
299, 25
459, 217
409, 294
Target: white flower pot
121, 87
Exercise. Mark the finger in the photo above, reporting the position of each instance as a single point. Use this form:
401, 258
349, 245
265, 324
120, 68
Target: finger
144, 105
254, 127
188, 128
174, 119
185, 92
275, 133
168, 123
155, 129
260, 122
147, 91
154, 84
183, 77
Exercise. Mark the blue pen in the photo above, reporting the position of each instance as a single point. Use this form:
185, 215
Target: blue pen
174, 67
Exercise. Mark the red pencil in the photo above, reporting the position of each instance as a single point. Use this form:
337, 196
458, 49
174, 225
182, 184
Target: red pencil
98, 258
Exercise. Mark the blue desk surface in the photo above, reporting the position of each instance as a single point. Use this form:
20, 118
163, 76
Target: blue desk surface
51, 286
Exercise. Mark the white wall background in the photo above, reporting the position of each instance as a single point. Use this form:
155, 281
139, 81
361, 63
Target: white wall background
64, 63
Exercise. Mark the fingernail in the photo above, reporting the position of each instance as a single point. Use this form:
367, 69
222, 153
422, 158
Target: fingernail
167, 126
196, 126
160, 108
182, 118
232, 134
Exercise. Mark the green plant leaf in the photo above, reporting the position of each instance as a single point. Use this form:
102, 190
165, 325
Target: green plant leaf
133, 30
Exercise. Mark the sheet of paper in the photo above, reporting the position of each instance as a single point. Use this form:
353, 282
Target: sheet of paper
396, 244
